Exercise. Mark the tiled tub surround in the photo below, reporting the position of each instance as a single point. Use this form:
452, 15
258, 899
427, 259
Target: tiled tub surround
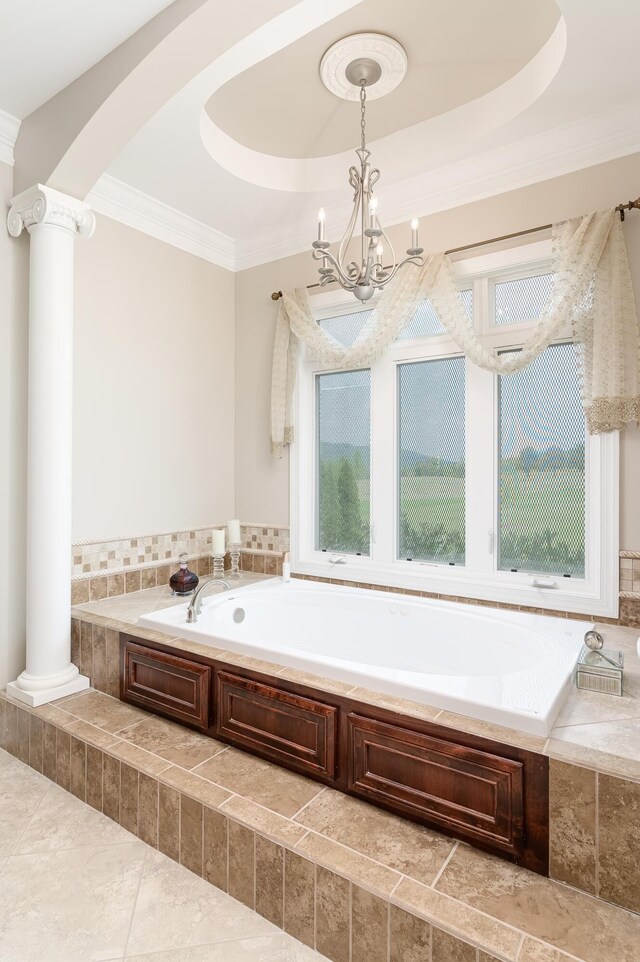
595, 741
354, 882
106, 569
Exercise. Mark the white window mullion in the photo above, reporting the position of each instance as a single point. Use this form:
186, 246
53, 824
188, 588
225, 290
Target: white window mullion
383, 442
479, 472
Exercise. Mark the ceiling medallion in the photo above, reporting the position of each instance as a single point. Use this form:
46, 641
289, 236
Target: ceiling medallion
388, 56
358, 68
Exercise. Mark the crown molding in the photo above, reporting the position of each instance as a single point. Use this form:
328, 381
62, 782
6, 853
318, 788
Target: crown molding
133, 207
561, 150
553, 153
9, 127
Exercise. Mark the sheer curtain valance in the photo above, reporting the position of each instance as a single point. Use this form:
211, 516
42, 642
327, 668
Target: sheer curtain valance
592, 295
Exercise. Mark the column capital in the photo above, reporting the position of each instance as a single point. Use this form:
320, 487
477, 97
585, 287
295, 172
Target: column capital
42, 205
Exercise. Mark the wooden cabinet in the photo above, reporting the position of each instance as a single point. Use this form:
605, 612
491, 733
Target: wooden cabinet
474, 794
492, 795
171, 685
278, 724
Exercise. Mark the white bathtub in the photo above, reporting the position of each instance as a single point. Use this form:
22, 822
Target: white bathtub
506, 667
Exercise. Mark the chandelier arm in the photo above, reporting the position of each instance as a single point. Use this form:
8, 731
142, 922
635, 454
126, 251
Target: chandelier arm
348, 234
418, 261
391, 250
343, 278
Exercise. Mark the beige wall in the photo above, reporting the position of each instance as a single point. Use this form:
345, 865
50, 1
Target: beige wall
153, 397
261, 483
14, 260
153, 387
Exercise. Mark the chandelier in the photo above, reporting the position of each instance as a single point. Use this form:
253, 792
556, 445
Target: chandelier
363, 278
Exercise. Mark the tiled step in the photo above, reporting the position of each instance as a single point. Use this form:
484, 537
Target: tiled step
342, 876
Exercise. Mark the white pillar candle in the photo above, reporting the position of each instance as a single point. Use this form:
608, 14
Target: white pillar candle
217, 541
415, 223
233, 528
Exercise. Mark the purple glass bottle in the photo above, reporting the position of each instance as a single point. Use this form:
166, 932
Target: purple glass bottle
183, 582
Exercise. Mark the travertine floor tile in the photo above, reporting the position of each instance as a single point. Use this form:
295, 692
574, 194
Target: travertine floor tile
177, 744
103, 711
21, 792
63, 822
412, 849
269, 785
275, 948
52, 904
578, 924
169, 894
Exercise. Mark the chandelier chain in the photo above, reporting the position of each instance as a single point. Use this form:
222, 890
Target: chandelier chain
363, 98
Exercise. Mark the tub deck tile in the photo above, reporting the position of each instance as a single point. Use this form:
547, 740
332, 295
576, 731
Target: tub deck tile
571, 921
269, 785
402, 845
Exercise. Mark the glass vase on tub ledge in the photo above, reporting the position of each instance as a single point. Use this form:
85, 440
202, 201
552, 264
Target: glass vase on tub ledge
183, 582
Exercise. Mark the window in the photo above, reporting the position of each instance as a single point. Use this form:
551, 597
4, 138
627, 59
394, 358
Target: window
427, 472
343, 459
431, 460
541, 504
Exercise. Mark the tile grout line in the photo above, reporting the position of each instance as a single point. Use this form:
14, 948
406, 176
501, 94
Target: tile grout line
292, 818
444, 865
596, 834
519, 949
134, 906
393, 890
31, 817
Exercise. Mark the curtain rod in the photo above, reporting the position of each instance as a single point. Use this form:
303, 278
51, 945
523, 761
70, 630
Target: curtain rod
621, 208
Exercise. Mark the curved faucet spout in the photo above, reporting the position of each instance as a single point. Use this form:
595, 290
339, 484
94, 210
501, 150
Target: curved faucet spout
195, 604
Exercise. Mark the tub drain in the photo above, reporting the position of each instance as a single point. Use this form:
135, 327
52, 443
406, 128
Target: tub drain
238, 615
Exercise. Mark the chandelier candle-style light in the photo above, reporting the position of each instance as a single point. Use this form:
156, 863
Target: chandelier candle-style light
383, 66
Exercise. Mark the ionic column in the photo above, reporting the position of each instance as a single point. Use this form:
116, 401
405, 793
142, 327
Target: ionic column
53, 221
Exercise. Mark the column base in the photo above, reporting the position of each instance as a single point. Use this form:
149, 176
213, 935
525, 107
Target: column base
42, 697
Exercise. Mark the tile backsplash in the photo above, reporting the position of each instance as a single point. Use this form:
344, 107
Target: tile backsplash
103, 568
106, 557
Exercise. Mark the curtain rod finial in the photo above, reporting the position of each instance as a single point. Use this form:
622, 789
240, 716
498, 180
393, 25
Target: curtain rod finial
276, 295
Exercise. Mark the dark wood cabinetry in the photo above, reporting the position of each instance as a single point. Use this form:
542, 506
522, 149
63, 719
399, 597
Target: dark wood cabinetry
489, 794
177, 687
476, 794
282, 726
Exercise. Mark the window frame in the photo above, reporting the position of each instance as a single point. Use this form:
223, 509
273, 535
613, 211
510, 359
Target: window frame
479, 578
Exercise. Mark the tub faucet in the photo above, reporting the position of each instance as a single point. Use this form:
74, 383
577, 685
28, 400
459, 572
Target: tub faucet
196, 601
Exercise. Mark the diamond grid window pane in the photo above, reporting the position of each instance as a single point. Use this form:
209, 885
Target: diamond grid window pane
344, 459
345, 327
542, 467
523, 299
431, 404
425, 322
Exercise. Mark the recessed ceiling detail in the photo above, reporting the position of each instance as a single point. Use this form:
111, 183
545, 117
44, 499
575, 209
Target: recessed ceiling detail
269, 130
378, 60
